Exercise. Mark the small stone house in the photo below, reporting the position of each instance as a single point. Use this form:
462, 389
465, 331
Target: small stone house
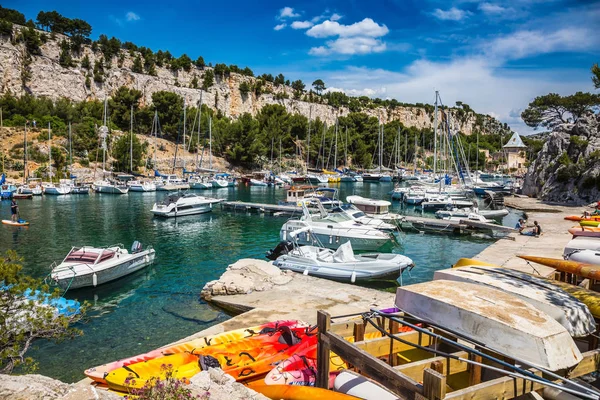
512, 154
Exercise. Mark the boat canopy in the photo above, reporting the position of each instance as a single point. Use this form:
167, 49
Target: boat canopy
344, 253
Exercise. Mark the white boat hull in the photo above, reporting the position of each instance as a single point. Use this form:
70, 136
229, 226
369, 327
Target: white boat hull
581, 243
505, 323
142, 188
173, 187
57, 190
171, 213
111, 189
201, 185
130, 264
567, 310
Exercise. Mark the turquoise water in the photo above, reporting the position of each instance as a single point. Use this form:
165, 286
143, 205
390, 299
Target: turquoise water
161, 304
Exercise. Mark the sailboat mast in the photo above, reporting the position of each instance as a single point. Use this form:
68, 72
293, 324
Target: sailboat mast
280, 169
104, 132
210, 142
184, 124
308, 139
199, 123
50, 152
131, 140
346, 149
70, 151
415, 157
336, 145
435, 134
477, 167
155, 128
25, 154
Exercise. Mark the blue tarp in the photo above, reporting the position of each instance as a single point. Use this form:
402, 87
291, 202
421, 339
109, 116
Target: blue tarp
156, 173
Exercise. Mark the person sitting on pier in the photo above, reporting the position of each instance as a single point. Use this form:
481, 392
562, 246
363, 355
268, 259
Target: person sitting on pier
520, 225
536, 231
597, 210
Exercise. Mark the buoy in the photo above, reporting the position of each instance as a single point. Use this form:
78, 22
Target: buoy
353, 277
146, 258
94, 280
305, 273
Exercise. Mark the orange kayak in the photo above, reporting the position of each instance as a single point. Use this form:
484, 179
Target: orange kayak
583, 270
587, 231
581, 218
99, 373
245, 359
290, 392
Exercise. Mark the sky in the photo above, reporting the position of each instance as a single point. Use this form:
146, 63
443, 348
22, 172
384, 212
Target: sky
495, 56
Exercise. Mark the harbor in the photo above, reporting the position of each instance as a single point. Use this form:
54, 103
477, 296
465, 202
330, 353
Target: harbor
302, 203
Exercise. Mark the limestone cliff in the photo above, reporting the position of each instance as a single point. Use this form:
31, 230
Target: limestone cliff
48, 78
567, 169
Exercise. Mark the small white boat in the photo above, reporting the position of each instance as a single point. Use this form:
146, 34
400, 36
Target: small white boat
200, 182
179, 205
141, 186
379, 209
584, 256
342, 264
60, 189
219, 182
256, 182
460, 215
504, 322
105, 186
316, 179
171, 183
581, 243
359, 216
566, 309
92, 266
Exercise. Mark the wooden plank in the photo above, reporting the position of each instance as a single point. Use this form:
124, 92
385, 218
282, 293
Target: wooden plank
508, 388
323, 350
372, 367
501, 388
434, 385
450, 366
590, 363
381, 346
474, 370
359, 331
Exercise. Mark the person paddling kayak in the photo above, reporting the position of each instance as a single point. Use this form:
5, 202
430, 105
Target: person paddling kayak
14, 211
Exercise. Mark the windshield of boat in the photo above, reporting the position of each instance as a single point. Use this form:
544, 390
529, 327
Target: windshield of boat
172, 198
86, 256
336, 218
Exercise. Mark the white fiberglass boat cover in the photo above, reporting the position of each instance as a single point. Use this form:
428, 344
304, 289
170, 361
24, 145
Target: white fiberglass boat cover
503, 322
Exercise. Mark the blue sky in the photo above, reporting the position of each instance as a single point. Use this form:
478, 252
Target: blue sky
493, 55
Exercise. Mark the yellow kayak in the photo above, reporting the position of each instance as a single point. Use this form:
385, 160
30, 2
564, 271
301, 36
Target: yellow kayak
589, 223
291, 392
588, 297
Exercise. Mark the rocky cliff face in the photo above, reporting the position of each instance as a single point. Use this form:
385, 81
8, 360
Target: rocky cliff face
49, 79
567, 169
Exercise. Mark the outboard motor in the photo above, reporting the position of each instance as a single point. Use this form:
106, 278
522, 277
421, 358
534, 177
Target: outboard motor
282, 248
136, 247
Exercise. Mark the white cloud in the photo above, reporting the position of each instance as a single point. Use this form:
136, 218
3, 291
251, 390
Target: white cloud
453, 14
366, 27
279, 27
473, 80
287, 12
131, 16
350, 46
301, 24
491, 8
527, 43
335, 17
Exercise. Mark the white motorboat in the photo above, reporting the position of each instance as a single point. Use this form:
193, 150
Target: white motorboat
342, 264
504, 322
316, 179
93, 266
357, 215
62, 188
35, 184
581, 243
200, 182
379, 209
141, 186
333, 229
171, 183
256, 182
460, 215
219, 182
584, 256
179, 205
106, 186
465, 212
